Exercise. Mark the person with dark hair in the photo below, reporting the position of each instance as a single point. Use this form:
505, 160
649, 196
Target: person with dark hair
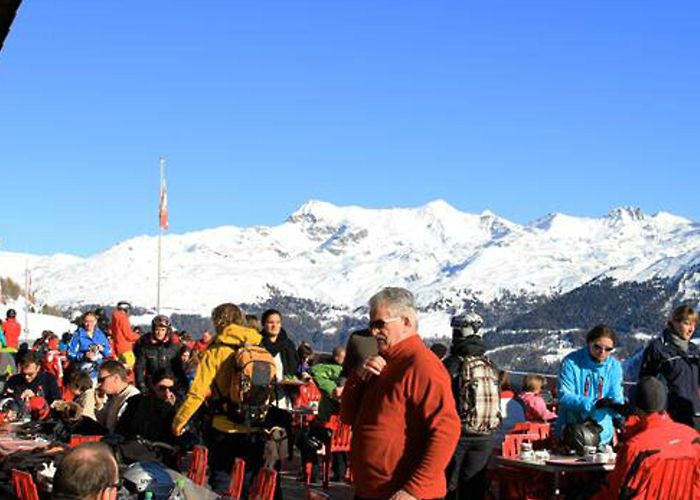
88, 472
306, 354
157, 351
657, 438
590, 385
113, 383
278, 343
675, 360
283, 350
32, 381
12, 329
123, 335
151, 415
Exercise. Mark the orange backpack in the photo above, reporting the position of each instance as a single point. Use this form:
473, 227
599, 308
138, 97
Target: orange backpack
252, 384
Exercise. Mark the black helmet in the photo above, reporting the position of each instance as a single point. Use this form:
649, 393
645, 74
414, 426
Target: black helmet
11, 313
161, 320
577, 436
123, 305
464, 325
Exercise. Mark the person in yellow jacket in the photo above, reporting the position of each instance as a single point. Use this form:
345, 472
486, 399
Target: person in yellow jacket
225, 439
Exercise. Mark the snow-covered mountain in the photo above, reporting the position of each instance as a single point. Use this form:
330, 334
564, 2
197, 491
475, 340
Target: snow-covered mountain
341, 255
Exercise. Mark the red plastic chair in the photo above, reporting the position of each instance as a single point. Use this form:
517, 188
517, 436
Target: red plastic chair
542, 429
77, 439
264, 484
24, 485
339, 442
513, 442
235, 487
197, 470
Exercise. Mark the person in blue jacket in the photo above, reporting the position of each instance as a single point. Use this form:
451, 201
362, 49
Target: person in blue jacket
590, 384
89, 345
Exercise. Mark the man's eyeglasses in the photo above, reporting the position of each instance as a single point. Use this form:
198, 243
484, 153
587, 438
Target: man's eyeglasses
601, 348
102, 379
380, 324
164, 388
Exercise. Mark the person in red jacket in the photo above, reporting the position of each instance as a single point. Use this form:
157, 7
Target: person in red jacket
12, 329
124, 337
656, 437
404, 419
202, 344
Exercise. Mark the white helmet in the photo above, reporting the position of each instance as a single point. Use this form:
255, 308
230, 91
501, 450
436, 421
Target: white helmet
466, 324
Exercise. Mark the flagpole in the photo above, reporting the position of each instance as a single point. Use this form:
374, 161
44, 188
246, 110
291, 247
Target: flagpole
160, 232
27, 284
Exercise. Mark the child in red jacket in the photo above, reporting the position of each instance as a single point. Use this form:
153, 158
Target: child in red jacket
54, 359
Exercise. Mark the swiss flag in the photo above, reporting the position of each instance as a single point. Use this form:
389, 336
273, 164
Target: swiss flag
163, 210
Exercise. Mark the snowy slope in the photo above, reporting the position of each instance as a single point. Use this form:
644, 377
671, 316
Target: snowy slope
341, 255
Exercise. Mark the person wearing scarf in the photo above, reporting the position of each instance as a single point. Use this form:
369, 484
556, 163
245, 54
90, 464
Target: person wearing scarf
675, 360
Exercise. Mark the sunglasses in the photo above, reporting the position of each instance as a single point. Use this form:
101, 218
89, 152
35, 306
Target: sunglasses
102, 379
601, 348
164, 388
380, 324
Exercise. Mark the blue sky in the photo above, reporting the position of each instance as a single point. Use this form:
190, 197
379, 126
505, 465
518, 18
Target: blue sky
521, 107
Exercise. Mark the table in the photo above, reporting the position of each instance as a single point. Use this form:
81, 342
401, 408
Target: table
557, 465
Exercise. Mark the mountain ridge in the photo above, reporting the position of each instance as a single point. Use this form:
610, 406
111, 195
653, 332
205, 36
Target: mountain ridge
342, 255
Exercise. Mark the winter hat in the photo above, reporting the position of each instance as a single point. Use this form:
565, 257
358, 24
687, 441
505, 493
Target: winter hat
467, 324
650, 395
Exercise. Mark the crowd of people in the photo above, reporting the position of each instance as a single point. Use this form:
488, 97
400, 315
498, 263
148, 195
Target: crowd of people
426, 420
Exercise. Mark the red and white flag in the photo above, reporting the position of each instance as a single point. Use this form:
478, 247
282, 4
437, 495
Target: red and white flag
163, 211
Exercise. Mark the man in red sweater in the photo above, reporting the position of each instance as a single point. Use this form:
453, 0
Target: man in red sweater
124, 337
12, 329
404, 420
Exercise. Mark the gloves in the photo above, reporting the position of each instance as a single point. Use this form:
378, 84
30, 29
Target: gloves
604, 403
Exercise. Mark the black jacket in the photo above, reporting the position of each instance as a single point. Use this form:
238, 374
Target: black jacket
148, 417
287, 350
152, 356
681, 373
43, 385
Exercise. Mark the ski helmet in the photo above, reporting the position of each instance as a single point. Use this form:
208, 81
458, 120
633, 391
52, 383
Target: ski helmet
161, 320
11, 313
123, 305
464, 325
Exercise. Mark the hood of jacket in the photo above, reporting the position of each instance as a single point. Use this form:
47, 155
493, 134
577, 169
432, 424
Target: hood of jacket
473, 345
234, 335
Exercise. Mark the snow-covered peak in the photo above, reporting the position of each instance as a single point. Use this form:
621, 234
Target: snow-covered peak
341, 255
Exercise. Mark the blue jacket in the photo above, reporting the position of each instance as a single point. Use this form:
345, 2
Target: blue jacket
80, 345
583, 381
681, 373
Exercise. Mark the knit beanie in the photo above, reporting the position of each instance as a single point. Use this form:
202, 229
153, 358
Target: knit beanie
650, 396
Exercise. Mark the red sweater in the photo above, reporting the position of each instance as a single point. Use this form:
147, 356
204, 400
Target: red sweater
405, 425
124, 336
12, 330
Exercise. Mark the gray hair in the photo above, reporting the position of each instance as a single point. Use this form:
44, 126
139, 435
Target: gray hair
399, 301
